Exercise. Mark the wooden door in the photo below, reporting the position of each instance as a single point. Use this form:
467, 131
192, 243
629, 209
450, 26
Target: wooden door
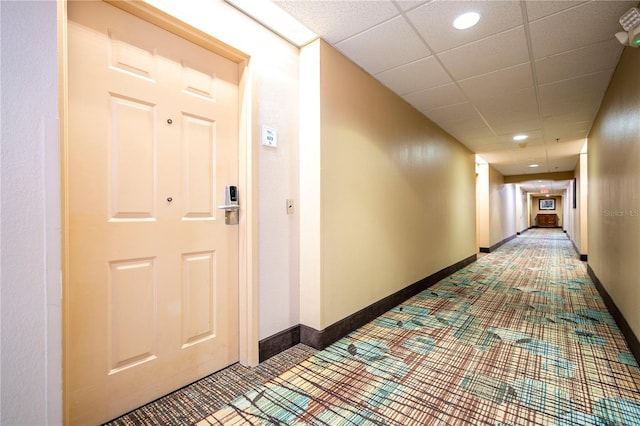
152, 301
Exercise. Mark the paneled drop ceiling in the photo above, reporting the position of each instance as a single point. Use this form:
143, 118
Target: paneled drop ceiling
535, 67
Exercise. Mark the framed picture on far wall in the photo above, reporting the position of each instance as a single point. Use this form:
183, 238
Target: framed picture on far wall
547, 204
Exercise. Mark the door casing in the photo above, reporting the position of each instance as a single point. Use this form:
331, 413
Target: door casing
247, 173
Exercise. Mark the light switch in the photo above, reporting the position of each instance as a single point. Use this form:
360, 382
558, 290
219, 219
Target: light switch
289, 205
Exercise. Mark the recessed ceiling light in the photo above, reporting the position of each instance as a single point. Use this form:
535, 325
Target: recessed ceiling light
520, 137
533, 165
466, 20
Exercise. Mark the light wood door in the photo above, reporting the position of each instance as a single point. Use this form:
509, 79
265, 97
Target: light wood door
152, 300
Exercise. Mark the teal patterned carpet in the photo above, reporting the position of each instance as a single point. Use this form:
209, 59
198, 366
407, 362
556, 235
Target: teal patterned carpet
521, 337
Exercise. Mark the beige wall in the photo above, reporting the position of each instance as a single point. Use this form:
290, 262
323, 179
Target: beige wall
559, 211
614, 189
496, 209
582, 204
576, 222
397, 194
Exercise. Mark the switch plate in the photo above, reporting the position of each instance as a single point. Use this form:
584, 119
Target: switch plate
289, 205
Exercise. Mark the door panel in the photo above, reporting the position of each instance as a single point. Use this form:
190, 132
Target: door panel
152, 301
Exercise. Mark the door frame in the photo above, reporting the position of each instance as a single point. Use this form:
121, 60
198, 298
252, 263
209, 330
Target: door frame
247, 175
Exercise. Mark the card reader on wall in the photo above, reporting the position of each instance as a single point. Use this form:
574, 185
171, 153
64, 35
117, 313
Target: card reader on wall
231, 205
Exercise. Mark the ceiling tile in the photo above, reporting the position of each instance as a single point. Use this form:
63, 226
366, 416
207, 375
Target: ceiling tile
490, 54
472, 129
523, 122
452, 113
540, 9
434, 21
338, 20
410, 4
566, 127
574, 94
586, 24
584, 60
385, 46
498, 82
522, 100
422, 74
436, 97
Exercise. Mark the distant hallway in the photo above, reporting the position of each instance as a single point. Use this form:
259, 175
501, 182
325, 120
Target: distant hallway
520, 337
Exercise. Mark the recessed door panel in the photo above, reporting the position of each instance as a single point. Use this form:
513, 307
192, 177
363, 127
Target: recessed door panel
199, 166
133, 158
198, 83
131, 58
199, 292
132, 313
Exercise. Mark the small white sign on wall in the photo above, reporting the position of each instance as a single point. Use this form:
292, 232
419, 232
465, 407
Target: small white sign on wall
269, 136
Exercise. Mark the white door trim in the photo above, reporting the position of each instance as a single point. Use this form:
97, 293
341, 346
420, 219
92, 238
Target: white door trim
247, 173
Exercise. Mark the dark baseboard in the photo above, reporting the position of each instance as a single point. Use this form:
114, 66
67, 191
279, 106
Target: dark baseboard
279, 342
583, 257
506, 240
320, 339
631, 338
497, 245
323, 338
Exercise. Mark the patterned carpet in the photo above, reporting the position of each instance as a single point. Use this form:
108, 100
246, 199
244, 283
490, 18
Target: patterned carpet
521, 337
191, 403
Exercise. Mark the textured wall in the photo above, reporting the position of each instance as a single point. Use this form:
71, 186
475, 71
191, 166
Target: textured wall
31, 357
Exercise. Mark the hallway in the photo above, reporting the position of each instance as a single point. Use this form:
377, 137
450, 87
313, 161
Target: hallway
519, 337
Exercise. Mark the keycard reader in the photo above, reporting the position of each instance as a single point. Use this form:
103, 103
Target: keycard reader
231, 205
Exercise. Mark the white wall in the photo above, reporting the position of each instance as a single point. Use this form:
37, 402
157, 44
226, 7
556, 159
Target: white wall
31, 360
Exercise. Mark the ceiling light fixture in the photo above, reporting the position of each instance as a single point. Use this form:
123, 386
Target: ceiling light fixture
466, 20
520, 137
533, 165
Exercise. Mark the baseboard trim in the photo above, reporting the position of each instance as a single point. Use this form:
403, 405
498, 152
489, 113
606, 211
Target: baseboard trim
583, 257
497, 245
627, 332
320, 339
279, 342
